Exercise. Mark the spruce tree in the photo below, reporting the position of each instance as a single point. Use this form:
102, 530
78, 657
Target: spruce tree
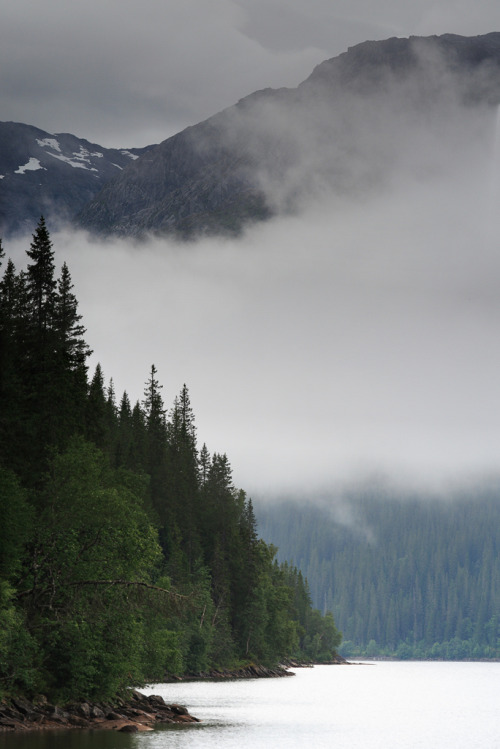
156, 435
204, 465
38, 366
14, 409
70, 354
68, 324
40, 279
155, 419
111, 420
183, 474
123, 448
154, 449
96, 413
138, 448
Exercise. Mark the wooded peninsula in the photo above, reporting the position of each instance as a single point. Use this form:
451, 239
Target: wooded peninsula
126, 552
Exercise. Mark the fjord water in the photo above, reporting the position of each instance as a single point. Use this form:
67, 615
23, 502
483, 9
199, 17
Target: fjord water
382, 705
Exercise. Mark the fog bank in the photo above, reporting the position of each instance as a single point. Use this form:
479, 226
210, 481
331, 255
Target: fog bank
356, 337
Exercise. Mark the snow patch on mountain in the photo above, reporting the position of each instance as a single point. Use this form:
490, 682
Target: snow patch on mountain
49, 143
74, 170
32, 166
78, 159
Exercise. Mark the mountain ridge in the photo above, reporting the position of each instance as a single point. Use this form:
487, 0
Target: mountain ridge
343, 131
53, 174
261, 156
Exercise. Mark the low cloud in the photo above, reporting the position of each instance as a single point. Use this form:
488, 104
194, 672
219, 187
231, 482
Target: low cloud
357, 337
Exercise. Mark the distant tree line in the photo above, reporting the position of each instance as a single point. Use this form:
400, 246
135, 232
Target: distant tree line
415, 577
126, 551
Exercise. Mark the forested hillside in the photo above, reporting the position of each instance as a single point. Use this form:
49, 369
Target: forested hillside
403, 574
126, 551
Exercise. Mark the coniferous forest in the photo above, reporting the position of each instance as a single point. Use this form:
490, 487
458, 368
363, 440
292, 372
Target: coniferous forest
126, 552
406, 574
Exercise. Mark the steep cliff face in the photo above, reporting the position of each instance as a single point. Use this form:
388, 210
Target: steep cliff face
345, 129
53, 175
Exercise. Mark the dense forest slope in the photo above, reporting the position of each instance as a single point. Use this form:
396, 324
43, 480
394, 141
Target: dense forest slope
414, 575
382, 108
126, 551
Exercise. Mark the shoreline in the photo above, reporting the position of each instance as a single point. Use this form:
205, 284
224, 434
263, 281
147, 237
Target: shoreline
139, 713
253, 671
244, 672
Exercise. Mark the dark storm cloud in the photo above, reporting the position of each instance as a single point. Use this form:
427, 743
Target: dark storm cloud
125, 73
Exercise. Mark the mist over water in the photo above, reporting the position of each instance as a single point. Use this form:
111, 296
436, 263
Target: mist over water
359, 335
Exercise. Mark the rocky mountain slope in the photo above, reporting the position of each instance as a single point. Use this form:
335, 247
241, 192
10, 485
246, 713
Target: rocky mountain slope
53, 175
380, 109
400, 106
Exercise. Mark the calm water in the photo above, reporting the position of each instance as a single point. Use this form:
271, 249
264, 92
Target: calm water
372, 706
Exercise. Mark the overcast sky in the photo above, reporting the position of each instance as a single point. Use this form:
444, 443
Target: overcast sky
353, 338
128, 73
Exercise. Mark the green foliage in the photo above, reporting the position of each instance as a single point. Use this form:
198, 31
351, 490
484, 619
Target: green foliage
17, 649
161, 650
91, 521
19, 653
15, 523
92, 546
94, 650
322, 637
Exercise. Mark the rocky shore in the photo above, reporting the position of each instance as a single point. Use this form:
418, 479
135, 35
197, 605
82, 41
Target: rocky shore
139, 713
337, 660
244, 672
253, 671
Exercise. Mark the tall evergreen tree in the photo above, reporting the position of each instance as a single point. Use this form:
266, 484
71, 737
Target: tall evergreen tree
123, 448
150, 437
39, 366
68, 324
41, 282
96, 421
14, 410
154, 412
70, 356
183, 473
204, 465
138, 450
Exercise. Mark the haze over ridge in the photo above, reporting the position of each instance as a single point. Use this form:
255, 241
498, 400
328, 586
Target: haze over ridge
315, 347
358, 335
